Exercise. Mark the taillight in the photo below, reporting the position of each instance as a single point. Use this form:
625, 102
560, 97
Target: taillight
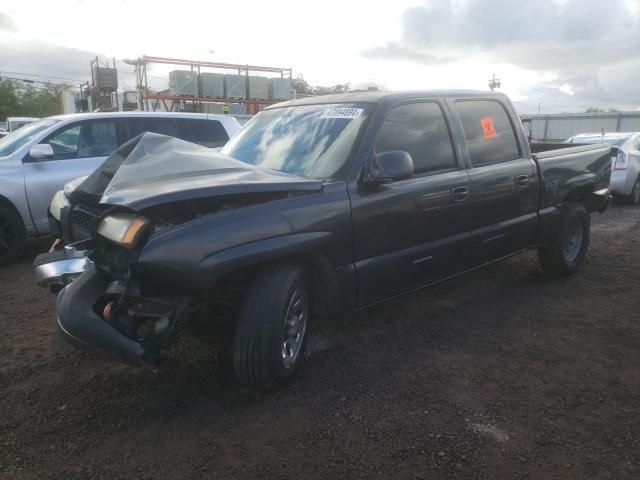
622, 161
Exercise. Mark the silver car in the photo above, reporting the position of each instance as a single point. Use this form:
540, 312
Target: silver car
625, 174
37, 160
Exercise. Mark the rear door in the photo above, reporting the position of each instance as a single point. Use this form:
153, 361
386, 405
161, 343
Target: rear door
208, 133
79, 148
408, 233
504, 182
163, 126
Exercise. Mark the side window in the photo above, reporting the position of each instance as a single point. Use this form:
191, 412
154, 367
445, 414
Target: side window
93, 138
636, 144
488, 131
164, 126
65, 142
421, 130
209, 133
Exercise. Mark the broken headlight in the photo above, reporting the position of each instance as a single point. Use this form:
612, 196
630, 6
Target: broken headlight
123, 228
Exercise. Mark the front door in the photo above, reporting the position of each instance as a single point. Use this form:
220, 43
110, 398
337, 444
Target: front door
408, 233
78, 149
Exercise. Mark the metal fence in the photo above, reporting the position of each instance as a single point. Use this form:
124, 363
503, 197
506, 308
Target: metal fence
559, 127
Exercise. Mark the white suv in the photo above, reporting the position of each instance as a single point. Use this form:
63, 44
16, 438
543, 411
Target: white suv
37, 160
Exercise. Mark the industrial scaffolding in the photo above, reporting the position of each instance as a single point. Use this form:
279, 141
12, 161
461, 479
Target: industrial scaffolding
144, 96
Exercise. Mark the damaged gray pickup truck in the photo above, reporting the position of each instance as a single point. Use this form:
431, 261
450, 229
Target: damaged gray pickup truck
316, 207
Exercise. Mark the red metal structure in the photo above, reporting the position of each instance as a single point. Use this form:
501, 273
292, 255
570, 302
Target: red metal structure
253, 105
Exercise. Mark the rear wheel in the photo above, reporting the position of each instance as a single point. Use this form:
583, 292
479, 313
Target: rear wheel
564, 255
13, 235
272, 328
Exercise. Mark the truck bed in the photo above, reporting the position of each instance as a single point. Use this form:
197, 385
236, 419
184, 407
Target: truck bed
565, 168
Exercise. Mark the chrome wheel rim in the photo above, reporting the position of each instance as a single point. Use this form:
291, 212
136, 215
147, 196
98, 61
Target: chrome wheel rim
7, 236
294, 328
573, 241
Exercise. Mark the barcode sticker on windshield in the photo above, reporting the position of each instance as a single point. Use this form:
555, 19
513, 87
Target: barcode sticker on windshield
342, 112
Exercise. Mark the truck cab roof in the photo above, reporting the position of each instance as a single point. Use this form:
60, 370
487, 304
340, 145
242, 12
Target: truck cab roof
386, 96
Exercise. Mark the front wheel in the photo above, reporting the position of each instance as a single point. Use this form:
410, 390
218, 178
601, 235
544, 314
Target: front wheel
272, 328
564, 255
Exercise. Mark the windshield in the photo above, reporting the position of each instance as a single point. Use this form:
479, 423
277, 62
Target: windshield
309, 140
17, 139
613, 141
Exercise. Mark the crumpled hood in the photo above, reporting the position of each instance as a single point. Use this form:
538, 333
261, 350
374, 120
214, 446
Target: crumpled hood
154, 169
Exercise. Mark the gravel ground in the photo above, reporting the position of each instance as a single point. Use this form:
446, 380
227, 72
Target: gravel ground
497, 374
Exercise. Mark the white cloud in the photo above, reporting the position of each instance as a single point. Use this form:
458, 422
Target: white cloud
566, 88
569, 53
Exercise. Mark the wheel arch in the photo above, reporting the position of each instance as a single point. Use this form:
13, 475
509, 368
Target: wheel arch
238, 265
579, 193
321, 276
5, 202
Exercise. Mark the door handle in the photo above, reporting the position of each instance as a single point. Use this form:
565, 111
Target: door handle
522, 181
459, 194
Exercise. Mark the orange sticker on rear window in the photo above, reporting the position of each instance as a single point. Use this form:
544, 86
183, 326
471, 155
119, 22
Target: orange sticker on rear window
488, 127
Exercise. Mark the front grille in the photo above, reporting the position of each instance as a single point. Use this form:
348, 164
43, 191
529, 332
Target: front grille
82, 220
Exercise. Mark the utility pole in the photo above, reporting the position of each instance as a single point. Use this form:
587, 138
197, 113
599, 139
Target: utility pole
494, 82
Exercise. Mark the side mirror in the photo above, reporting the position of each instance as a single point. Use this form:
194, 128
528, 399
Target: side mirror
41, 151
387, 167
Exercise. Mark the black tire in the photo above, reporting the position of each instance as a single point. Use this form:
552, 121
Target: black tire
564, 255
13, 235
258, 346
634, 198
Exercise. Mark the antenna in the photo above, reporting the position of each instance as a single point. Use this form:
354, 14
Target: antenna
494, 82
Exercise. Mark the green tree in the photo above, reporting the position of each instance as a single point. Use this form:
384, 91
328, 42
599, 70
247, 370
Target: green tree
340, 88
24, 100
9, 103
40, 102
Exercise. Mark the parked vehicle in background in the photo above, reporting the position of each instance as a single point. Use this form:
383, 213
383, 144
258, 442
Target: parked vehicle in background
625, 164
40, 158
317, 206
14, 123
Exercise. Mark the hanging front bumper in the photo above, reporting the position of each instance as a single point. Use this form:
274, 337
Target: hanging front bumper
82, 327
60, 268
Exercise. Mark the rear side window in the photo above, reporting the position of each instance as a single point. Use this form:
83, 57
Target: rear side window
488, 131
421, 130
208, 133
164, 126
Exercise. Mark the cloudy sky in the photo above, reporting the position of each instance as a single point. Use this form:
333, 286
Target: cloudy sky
565, 55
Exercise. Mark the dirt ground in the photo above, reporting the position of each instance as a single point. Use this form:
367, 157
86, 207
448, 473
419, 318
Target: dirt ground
497, 374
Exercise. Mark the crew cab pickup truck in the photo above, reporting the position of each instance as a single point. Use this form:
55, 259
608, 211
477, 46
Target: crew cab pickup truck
317, 206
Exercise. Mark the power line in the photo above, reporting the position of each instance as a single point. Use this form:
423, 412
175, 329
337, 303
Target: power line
26, 80
41, 76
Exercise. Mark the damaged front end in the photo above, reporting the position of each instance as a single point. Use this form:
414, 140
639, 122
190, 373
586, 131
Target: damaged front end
99, 314
99, 306
148, 187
